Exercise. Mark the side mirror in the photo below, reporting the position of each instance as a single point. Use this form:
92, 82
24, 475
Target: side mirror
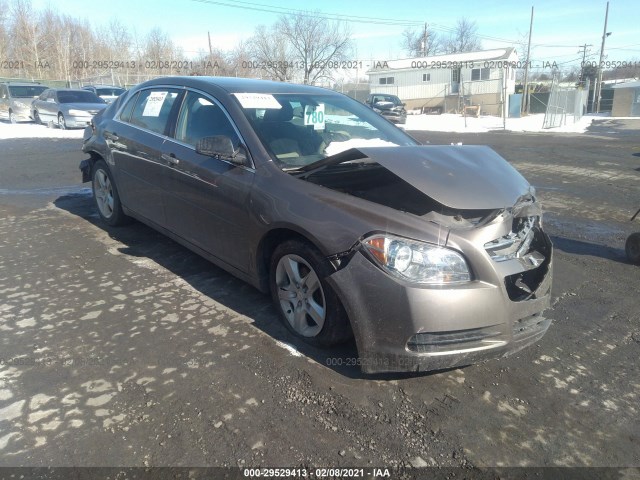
221, 146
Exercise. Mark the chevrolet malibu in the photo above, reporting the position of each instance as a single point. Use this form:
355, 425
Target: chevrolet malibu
430, 256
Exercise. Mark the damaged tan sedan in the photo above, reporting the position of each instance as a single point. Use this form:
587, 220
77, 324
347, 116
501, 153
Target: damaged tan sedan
430, 256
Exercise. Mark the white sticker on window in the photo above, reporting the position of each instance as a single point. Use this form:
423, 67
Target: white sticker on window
314, 115
257, 100
154, 104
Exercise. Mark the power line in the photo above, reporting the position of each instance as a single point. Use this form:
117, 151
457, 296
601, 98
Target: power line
259, 7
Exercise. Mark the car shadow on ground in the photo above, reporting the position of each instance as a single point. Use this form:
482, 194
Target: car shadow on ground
578, 247
143, 242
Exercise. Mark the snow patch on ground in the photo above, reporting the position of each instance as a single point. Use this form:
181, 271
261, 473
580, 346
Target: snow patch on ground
449, 122
31, 130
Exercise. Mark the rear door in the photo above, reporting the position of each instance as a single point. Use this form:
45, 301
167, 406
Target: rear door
206, 198
136, 141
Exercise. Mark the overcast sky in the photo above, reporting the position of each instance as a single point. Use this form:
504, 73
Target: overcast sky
558, 30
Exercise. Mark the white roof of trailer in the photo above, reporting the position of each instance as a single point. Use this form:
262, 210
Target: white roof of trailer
478, 56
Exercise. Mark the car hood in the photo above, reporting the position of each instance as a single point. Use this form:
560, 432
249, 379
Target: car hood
469, 177
85, 106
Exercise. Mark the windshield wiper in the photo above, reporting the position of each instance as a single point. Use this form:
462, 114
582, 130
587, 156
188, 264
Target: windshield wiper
306, 170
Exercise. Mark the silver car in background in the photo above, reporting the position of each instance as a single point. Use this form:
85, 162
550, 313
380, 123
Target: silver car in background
106, 92
66, 107
16, 98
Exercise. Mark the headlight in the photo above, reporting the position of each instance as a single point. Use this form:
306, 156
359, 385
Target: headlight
78, 113
417, 262
21, 105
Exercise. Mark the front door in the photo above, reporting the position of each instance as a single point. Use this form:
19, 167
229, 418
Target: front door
206, 198
455, 80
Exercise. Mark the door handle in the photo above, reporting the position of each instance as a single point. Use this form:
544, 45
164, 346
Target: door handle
171, 159
111, 136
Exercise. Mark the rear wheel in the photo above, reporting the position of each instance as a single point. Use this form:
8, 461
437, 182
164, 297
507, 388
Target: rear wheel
36, 117
632, 247
307, 304
105, 194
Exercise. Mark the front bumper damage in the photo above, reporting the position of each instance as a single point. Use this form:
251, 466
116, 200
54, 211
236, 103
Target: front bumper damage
402, 327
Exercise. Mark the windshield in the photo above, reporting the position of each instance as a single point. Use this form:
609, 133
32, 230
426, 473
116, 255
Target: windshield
110, 92
79, 96
26, 91
298, 130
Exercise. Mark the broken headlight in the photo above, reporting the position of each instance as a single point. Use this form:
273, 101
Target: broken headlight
417, 262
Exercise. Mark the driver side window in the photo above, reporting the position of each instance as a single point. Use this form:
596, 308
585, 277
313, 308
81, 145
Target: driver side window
201, 117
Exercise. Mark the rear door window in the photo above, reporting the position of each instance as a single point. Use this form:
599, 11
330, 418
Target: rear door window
154, 108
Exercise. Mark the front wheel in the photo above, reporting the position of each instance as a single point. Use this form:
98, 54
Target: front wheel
105, 194
632, 247
12, 118
306, 303
36, 118
62, 124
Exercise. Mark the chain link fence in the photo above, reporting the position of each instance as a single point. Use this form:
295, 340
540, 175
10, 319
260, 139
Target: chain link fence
566, 105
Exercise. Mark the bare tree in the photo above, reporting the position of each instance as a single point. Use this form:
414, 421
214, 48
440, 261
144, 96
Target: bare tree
420, 43
4, 30
270, 49
27, 38
317, 44
239, 61
464, 37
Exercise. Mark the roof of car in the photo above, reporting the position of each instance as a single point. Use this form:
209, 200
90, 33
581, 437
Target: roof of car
239, 85
24, 84
103, 86
68, 89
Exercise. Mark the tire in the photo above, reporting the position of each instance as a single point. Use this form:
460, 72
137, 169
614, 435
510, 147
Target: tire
306, 303
62, 124
36, 118
632, 248
105, 195
12, 117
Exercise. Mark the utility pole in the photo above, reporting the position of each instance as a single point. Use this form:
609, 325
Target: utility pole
604, 36
525, 90
583, 48
210, 49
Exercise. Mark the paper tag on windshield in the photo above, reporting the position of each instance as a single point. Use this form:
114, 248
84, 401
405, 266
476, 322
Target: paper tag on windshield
257, 100
154, 104
314, 115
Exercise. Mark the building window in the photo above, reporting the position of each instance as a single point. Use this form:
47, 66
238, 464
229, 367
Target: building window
386, 80
426, 77
480, 74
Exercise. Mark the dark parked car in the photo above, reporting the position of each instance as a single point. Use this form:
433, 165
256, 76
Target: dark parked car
16, 98
389, 106
431, 256
107, 93
68, 107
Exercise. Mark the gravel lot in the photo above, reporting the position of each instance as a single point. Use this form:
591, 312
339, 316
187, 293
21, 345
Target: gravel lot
121, 348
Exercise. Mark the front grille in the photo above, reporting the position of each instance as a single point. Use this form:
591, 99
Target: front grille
516, 243
524, 285
456, 340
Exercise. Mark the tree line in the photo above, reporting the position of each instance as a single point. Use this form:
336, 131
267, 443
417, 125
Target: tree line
45, 45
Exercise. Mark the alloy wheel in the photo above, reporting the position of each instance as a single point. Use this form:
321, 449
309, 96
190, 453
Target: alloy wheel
301, 295
103, 192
